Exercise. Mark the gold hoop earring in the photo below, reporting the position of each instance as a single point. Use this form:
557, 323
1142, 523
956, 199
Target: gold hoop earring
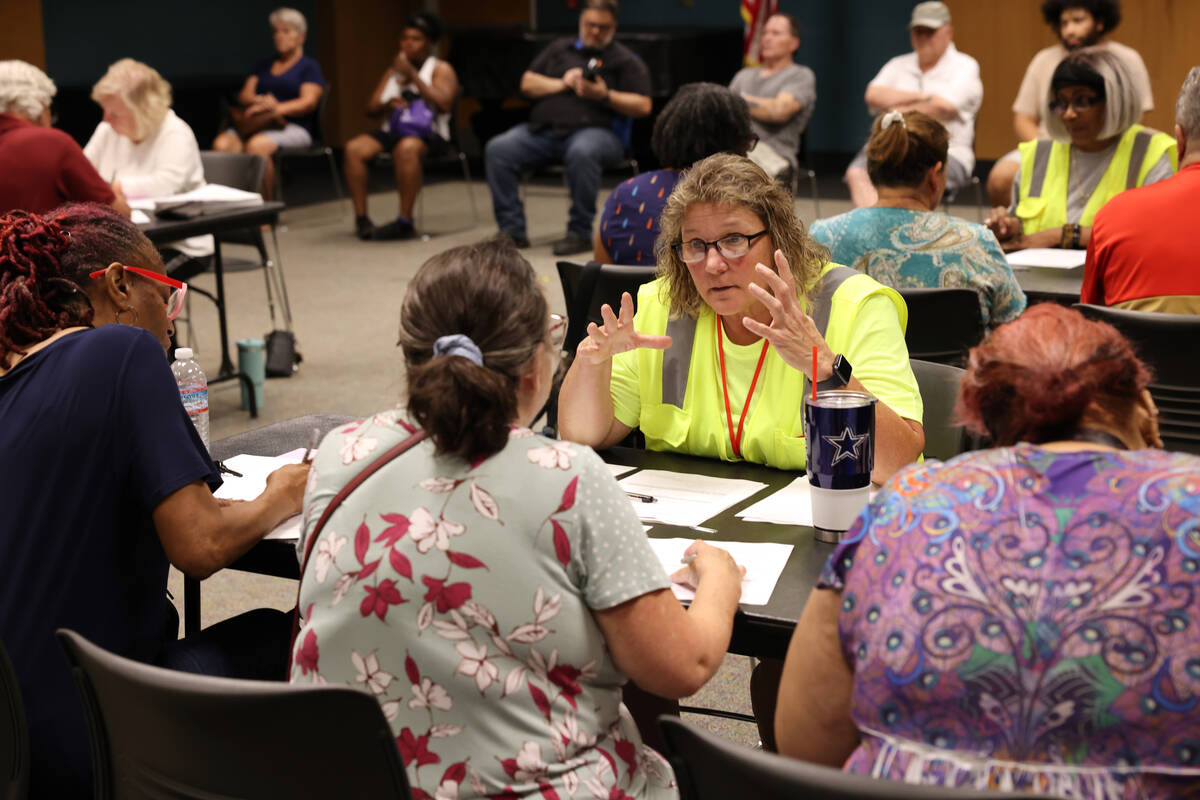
135, 316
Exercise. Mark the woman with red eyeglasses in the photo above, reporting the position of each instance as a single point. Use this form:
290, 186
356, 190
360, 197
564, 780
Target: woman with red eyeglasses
105, 481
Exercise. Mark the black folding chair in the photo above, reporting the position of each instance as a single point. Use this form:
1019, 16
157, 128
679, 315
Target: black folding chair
943, 324
14, 734
944, 438
1164, 342
157, 733
708, 767
317, 149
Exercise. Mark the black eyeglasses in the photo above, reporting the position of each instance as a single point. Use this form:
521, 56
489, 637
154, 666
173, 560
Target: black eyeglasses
735, 245
1080, 102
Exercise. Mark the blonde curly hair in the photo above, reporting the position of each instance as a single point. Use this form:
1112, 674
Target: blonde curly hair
139, 86
732, 181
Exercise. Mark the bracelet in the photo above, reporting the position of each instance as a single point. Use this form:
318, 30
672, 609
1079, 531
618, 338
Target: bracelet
1065, 241
1075, 237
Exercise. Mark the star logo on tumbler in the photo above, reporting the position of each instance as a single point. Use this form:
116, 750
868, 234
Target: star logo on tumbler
847, 445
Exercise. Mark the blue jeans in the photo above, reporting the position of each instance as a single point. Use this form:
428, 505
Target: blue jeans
584, 154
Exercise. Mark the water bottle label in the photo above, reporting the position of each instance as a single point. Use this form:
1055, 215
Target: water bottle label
195, 400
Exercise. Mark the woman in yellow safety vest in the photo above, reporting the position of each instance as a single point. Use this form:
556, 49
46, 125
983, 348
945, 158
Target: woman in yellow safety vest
734, 390
1098, 150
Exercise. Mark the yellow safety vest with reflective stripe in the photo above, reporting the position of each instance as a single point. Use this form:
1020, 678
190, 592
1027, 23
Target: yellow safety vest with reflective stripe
671, 381
1045, 168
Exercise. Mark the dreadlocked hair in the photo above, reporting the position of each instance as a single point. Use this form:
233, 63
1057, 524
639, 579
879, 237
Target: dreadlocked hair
35, 298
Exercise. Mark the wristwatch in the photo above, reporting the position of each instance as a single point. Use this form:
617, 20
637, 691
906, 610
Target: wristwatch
841, 374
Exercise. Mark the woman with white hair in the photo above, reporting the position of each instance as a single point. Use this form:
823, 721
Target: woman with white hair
278, 102
1096, 152
40, 167
142, 147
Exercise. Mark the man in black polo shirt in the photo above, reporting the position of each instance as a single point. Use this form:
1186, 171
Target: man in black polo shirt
584, 91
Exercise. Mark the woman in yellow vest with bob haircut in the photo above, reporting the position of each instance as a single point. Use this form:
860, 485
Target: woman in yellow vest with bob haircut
718, 358
1098, 150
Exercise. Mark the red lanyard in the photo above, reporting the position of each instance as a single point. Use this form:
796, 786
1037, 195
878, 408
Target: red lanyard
736, 439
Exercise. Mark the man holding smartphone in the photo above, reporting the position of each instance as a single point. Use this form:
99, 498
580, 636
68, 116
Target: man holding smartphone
586, 92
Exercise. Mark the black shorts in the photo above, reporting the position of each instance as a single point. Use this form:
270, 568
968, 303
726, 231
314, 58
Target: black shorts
388, 141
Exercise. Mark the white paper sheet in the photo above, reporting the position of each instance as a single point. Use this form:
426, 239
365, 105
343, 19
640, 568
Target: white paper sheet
211, 193
253, 482
138, 217
791, 505
764, 562
1047, 257
618, 470
683, 498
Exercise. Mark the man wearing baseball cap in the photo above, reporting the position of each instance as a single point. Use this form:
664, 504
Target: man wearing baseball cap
935, 79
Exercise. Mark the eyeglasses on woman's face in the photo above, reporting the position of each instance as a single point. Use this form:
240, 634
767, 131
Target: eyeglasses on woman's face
735, 245
558, 331
174, 300
1079, 102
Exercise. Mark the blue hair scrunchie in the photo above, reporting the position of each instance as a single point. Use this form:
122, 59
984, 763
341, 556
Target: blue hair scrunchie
458, 344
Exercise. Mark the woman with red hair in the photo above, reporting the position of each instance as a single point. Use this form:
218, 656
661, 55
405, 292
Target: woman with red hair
105, 479
1026, 617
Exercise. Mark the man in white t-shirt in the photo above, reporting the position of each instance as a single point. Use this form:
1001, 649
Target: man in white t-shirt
934, 79
1078, 23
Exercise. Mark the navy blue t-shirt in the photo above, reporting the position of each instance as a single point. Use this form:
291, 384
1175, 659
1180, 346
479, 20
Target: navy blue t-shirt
92, 438
287, 86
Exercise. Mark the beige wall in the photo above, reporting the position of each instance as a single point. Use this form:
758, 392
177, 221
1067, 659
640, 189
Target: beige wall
1004, 37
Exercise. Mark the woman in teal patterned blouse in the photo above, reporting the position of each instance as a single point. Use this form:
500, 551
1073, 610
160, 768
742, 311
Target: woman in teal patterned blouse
1023, 618
903, 241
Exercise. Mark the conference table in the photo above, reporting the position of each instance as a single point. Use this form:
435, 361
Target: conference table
161, 231
761, 631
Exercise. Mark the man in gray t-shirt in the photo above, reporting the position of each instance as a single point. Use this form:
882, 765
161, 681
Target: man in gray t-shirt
781, 94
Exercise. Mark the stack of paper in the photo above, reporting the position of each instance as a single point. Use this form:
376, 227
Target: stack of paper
791, 505
685, 499
764, 562
1047, 257
253, 482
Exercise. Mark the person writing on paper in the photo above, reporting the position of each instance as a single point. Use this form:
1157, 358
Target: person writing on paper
491, 587
719, 357
1098, 150
145, 150
1022, 617
279, 101
903, 240
105, 480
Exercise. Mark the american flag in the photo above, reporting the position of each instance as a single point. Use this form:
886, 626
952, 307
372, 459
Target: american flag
755, 14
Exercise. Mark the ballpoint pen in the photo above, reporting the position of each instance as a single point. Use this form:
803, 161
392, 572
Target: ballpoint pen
313, 441
645, 498
227, 471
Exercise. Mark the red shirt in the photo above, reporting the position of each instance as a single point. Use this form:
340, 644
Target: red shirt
1144, 244
42, 168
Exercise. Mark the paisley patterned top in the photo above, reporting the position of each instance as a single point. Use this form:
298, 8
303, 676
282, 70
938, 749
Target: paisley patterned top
1021, 618
461, 596
903, 248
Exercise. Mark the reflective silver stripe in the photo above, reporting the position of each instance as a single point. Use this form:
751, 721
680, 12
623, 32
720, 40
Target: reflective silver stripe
1041, 160
677, 360
822, 298
1141, 143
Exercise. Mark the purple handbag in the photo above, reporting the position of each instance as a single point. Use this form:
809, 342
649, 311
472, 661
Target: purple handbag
414, 119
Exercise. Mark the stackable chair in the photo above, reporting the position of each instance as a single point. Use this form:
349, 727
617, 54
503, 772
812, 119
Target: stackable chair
708, 767
158, 733
1164, 342
318, 149
939, 383
942, 324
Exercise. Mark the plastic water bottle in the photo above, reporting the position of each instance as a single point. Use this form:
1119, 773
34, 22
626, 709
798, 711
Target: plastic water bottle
193, 390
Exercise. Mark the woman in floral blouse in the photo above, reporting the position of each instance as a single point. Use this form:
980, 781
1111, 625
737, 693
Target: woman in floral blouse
491, 587
1025, 617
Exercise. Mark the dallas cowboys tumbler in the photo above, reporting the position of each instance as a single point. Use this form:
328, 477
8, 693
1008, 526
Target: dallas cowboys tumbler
839, 427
